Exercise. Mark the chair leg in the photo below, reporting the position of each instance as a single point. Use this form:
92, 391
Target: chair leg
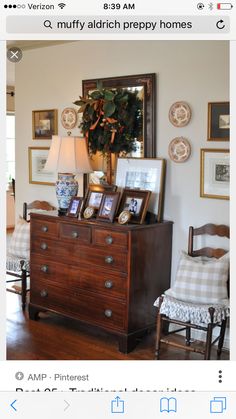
158, 329
222, 336
209, 334
23, 288
188, 336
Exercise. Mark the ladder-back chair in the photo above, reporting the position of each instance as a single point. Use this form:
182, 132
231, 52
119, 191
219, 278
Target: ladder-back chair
17, 261
203, 315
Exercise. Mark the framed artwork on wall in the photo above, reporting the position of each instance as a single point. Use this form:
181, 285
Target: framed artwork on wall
215, 173
144, 174
218, 121
44, 124
37, 160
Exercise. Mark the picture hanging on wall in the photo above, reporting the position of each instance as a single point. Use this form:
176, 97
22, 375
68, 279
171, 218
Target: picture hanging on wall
218, 121
37, 160
215, 173
44, 124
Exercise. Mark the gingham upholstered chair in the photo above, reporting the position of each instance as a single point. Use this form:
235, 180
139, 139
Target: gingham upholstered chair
199, 298
18, 251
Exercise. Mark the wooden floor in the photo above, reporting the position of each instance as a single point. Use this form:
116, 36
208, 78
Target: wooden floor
55, 338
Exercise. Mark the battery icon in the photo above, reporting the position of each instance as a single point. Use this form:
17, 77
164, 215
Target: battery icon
224, 6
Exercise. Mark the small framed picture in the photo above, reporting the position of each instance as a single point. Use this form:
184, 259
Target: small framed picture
74, 207
108, 206
136, 202
215, 173
44, 124
218, 121
37, 160
95, 193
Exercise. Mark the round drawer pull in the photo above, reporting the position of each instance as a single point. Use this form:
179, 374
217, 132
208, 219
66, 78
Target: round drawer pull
108, 284
44, 229
74, 234
109, 240
43, 293
43, 246
109, 259
108, 313
44, 268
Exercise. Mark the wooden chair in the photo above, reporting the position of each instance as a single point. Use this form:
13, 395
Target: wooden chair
13, 188
214, 312
19, 268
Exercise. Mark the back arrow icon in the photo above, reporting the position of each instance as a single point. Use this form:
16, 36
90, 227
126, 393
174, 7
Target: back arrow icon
67, 405
12, 405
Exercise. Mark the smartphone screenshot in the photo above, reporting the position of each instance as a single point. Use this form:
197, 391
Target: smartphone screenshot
117, 210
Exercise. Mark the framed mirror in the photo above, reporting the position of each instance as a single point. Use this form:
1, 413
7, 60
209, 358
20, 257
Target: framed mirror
145, 85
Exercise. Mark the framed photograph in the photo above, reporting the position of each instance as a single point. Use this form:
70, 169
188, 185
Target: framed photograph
44, 124
108, 206
144, 174
75, 206
37, 160
218, 121
136, 202
95, 193
215, 173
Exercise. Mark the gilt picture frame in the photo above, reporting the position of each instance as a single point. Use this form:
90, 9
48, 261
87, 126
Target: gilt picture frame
215, 173
37, 157
44, 124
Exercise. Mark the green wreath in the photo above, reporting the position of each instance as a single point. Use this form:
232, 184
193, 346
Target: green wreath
111, 120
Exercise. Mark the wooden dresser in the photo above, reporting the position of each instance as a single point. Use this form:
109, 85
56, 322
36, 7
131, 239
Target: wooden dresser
102, 274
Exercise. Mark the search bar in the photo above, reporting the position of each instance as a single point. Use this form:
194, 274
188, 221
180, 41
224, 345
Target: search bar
118, 24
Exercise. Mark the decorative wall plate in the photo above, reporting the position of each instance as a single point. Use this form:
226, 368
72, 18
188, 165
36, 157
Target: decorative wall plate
180, 114
179, 149
69, 118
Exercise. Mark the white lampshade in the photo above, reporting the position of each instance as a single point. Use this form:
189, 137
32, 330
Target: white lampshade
68, 155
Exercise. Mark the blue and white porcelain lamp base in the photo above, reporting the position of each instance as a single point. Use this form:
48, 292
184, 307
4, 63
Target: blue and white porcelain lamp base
66, 188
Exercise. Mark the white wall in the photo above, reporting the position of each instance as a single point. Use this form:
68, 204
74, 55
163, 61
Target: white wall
193, 71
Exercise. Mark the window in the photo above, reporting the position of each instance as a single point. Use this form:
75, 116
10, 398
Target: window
10, 147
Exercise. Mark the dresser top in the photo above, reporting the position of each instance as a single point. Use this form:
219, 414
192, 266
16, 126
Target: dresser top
53, 216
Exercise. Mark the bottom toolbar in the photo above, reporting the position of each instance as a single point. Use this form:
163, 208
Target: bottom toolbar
125, 405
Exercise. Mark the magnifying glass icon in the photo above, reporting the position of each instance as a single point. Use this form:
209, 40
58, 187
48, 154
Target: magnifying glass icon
47, 24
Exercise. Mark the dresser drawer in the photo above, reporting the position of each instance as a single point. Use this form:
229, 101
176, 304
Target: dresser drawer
49, 296
75, 233
92, 256
99, 311
111, 284
43, 246
43, 269
43, 228
110, 238
96, 310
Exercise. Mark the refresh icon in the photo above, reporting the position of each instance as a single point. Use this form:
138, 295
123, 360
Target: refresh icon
220, 24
